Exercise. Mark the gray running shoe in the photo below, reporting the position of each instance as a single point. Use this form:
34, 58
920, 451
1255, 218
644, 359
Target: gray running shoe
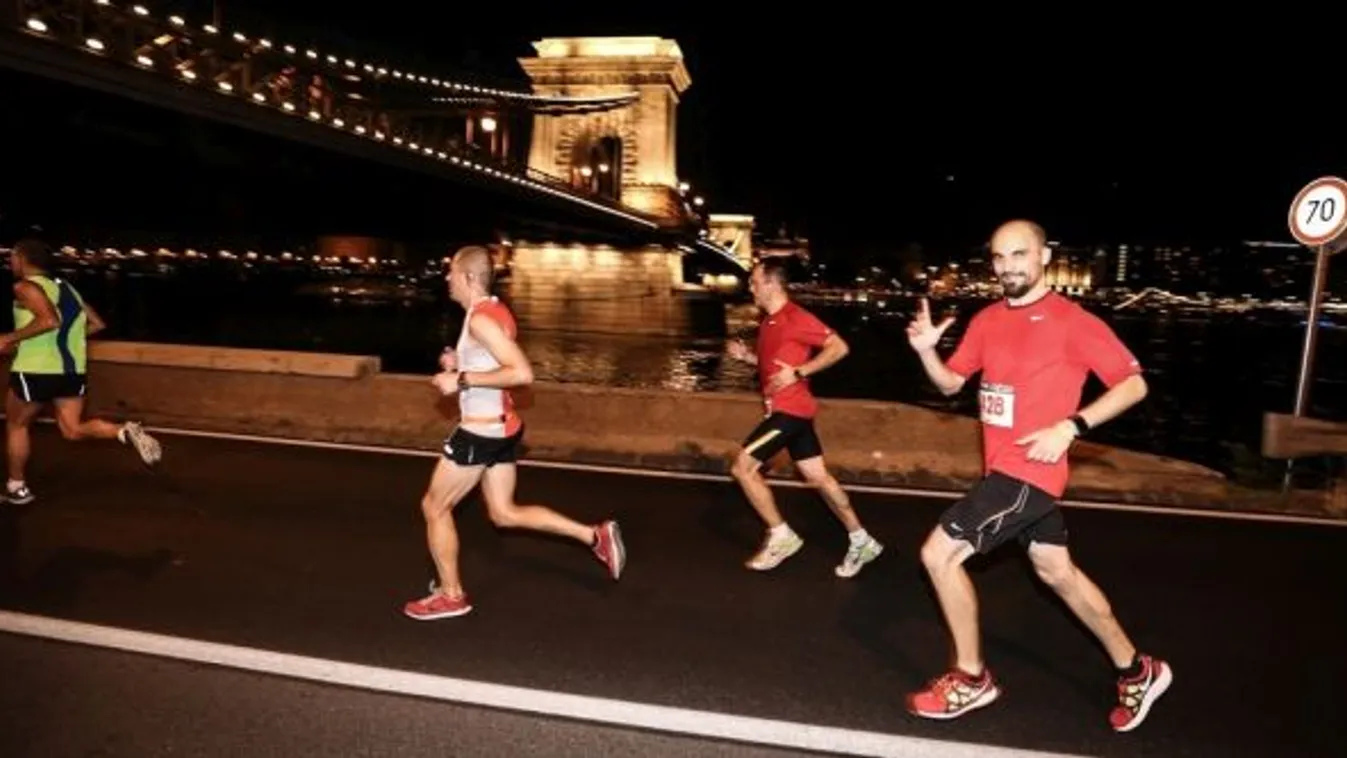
147, 447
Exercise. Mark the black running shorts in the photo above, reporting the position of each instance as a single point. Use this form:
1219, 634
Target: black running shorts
44, 388
468, 449
1000, 508
783, 431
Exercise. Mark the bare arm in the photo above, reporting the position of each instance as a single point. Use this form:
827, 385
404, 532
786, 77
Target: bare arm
834, 349
514, 370
44, 314
944, 379
1117, 400
95, 323
1096, 345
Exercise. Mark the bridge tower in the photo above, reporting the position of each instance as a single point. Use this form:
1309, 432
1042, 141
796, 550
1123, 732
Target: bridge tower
628, 154
734, 232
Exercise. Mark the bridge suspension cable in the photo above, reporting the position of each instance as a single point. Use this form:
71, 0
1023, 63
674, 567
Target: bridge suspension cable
268, 75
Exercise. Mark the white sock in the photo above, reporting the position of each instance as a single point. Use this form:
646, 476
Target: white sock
859, 537
780, 531
14, 485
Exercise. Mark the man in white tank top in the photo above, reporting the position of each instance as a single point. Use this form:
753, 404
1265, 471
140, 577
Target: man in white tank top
485, 365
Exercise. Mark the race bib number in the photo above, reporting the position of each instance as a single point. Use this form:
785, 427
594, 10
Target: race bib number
998, 405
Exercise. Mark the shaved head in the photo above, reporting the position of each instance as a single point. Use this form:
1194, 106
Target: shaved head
1019, 251
475, 260
1019, 234
470, 274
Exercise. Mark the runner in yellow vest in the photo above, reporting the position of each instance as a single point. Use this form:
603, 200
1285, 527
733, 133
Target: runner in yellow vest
51, 327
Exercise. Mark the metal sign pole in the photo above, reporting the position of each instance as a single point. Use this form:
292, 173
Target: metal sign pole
1307, 352
1318, 219
1311, 330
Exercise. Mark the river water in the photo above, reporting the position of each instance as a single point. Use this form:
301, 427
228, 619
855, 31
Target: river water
1212, 374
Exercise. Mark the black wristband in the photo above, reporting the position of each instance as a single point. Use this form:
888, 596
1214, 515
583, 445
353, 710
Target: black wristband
1081, 426
463, 381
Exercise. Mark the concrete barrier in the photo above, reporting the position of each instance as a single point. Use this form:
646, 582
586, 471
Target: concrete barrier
340, 398
235, 359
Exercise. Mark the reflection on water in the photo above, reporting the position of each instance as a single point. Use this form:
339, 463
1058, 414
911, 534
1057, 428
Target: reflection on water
622, 361
1212, 375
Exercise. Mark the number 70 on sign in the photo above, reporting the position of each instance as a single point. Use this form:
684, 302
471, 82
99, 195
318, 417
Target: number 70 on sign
1319, 213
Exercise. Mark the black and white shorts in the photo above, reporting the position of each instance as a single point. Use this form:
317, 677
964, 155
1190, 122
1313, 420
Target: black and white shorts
783, 431
44, 388
1000, 508
468, 449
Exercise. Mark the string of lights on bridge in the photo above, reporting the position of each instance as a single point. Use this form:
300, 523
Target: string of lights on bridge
35, 25
383, 71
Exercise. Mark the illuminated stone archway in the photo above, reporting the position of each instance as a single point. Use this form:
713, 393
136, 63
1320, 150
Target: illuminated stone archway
577, 288
643, 134
596, 158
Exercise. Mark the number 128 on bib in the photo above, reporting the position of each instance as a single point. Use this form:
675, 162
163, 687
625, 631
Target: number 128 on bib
997, 405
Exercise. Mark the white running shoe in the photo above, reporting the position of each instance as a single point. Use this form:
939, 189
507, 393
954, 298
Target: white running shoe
857, 556
147, 447
774, 551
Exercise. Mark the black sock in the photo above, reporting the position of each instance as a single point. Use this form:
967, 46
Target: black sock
1133, 669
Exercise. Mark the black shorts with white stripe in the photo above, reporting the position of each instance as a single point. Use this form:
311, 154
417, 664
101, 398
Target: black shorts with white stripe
44, 388
1000, 508
783, 431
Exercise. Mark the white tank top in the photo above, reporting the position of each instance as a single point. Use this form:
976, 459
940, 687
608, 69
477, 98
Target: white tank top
477, 403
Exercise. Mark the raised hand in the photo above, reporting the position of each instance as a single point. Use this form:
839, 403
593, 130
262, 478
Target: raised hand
921, 333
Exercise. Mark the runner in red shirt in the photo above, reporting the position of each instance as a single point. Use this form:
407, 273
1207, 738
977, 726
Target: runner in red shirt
787, 337
1035, 349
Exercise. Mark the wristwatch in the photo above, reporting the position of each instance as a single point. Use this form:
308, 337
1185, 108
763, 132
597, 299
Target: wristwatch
463, 381
798, 373
1081, 426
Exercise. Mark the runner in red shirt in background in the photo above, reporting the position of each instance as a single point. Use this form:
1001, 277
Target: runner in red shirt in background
1035, 350
787, 336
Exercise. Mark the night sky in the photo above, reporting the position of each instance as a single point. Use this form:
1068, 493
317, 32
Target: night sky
865, 129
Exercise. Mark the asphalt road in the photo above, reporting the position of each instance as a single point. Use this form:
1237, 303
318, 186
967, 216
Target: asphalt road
313, 552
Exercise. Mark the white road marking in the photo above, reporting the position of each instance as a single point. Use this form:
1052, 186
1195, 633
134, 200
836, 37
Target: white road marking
683, 721
1164, 510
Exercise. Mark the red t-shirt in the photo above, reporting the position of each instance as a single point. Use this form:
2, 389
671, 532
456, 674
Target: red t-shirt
790, 335
1034, 361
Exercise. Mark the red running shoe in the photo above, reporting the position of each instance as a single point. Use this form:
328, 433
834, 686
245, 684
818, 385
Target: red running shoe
953, 694
1136, 696
437, 605
608, 547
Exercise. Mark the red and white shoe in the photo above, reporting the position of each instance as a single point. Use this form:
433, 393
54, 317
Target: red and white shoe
437, 605
1136, 696
609, 548
953, 694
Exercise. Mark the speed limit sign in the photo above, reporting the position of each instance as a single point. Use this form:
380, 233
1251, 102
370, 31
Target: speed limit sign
1319, 213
